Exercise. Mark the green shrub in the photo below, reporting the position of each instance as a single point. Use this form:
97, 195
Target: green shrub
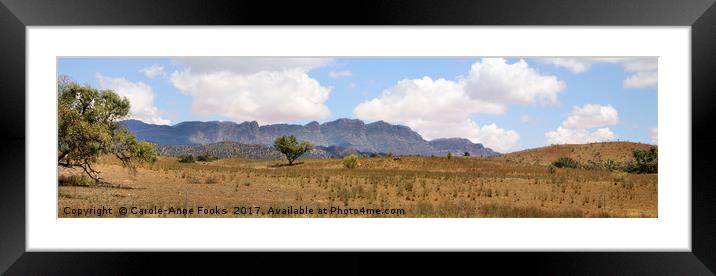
566, 162
608, 165
350, 161
646, 161
466, 154
449, 156
186, 158
206, 158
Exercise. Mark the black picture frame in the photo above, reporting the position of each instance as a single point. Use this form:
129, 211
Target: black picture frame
15, 15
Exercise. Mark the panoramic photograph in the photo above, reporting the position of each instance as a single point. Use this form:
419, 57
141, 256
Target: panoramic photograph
357, 137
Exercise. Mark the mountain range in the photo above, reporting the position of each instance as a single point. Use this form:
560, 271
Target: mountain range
228, 149
343, 135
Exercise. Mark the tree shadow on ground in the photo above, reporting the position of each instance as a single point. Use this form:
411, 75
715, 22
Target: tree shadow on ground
278, 165
97, 185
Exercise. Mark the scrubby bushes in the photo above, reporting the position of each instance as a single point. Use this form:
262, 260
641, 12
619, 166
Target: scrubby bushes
206, 158
645, 161
186, 159
609, 165
566, 162
350, 161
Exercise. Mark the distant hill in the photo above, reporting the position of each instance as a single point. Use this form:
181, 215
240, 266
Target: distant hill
617, 151
460, 146
252, 151
342, 134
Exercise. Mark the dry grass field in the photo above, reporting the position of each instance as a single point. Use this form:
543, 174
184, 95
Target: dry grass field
421, 186
616, 151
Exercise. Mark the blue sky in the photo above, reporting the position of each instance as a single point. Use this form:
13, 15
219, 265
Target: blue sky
507, 104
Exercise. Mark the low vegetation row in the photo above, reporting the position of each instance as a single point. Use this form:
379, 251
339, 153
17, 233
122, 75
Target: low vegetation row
645, 161
188, 158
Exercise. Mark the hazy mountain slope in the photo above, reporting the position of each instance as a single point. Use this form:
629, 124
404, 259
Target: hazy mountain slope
249, 151
460, 146
344, 133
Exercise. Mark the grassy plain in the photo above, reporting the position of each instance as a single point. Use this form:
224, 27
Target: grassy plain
422, 186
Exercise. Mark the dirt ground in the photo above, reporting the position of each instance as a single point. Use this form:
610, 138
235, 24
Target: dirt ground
419, 186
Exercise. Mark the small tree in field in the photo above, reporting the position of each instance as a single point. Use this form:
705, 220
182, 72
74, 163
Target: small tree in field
466, 154
449, 155
291, 148
88, 126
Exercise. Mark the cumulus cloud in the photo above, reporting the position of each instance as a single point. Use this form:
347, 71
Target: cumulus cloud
495, 80
437, 109
412, 99
591, 116
443, 108
575, 129
249, 65
140, 95
264, 96
654, 133
641, 80
574, 65
340, 74
499, 139
644, 71
153, 71
263, 89
578, 136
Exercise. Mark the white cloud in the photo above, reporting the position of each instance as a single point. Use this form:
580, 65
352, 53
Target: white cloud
643, 70
263, 89
443, 108
634, 65
140, 95
578, 136
412, 99
249, 65
641, 80
591, 116
498, 139
494, 80
575, 65
437, 109
153, 71
264, 96
575, 129
340, 74
654, 133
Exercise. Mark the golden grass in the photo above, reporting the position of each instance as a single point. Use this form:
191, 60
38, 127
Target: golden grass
422, 186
